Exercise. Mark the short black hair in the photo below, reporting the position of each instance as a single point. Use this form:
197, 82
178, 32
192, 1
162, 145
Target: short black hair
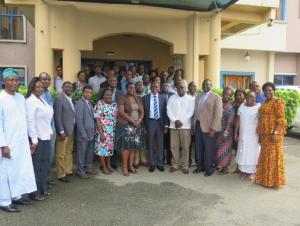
79, 72
104, 91
86, 87
239, 90
268, 84
128, 84
66, 82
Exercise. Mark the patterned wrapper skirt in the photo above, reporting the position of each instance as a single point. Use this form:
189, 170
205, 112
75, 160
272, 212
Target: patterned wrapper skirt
270, 168
128, 137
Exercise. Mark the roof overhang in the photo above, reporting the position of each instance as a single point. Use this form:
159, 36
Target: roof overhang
190, 5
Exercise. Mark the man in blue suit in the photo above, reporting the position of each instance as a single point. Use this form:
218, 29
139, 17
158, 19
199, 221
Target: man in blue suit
156, 123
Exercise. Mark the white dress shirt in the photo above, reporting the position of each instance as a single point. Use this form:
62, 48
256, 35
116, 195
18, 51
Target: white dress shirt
182, 109
151, 113
39, 116
58, 83
95, 82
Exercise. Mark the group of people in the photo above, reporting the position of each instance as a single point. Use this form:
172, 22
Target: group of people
147, 119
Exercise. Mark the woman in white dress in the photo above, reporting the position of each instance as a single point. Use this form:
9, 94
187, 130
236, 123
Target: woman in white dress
248, 140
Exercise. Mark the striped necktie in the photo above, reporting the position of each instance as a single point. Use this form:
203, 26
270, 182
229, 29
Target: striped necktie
155, 107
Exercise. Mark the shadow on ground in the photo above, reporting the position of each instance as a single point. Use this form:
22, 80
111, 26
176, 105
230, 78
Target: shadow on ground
99, 202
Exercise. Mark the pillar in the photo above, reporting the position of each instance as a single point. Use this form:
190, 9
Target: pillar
271, 67
191, 58
213, 60
43, 51
71, 54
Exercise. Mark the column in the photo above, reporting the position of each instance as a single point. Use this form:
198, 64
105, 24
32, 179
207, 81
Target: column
213, 60
271, 67
43, 51
71, 54
191, 58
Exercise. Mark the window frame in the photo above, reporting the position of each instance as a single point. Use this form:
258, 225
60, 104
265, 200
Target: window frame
24, 40
283, 75
15, 66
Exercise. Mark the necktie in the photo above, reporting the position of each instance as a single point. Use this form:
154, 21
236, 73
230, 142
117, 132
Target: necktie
155, 107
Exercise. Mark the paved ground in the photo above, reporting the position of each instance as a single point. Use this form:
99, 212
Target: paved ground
165, 199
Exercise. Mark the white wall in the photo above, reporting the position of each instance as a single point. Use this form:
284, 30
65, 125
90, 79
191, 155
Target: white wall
263, 37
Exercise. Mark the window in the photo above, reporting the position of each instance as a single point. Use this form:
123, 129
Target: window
281, 11
284, 80
22, 70
12, 25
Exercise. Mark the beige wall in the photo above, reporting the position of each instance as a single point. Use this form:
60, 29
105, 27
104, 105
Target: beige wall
288, 63
234, 60
293, 25
19, 54
132, 47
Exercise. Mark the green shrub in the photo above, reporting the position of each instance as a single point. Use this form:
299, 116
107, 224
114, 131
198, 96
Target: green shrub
291, 100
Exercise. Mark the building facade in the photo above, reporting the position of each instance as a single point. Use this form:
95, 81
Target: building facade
77, 33
272, 49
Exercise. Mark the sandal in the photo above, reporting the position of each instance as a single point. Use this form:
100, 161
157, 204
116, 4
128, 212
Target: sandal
132, 170
125, 171
106, 171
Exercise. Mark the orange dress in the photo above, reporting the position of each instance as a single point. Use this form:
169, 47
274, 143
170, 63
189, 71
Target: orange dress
270, 168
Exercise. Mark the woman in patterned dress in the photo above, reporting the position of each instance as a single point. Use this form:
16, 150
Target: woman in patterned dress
105, 115
224, 142
271, 128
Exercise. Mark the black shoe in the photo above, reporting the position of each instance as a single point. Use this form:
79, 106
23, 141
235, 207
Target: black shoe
208, 173
64, 179
151, 169
198, 170
51, 182
10, 208
70, 174
161, 168
21, 201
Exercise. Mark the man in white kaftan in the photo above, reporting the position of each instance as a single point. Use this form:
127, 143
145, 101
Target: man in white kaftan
16, 170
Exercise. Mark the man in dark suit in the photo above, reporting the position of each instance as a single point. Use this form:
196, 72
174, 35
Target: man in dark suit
112, 85
64, 116
167, 94
85, 132
156, 123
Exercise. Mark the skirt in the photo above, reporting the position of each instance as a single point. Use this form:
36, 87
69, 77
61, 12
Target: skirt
128, 137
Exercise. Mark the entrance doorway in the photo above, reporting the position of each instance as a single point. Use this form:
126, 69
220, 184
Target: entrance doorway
122, 64
237, 79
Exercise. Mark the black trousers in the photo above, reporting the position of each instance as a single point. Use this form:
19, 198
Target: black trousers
40, 160
205, 149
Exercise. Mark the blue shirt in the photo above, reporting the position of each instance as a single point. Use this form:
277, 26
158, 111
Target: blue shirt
48, 98
260, 99
123, 85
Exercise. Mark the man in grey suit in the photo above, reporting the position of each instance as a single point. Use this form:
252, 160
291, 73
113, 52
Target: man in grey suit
85, 132
64, 117
156, 124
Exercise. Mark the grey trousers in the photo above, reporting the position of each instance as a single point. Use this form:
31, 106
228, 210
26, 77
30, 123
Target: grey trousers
85, 153
40, 160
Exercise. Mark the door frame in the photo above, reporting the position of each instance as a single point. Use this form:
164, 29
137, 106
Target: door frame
235, 73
